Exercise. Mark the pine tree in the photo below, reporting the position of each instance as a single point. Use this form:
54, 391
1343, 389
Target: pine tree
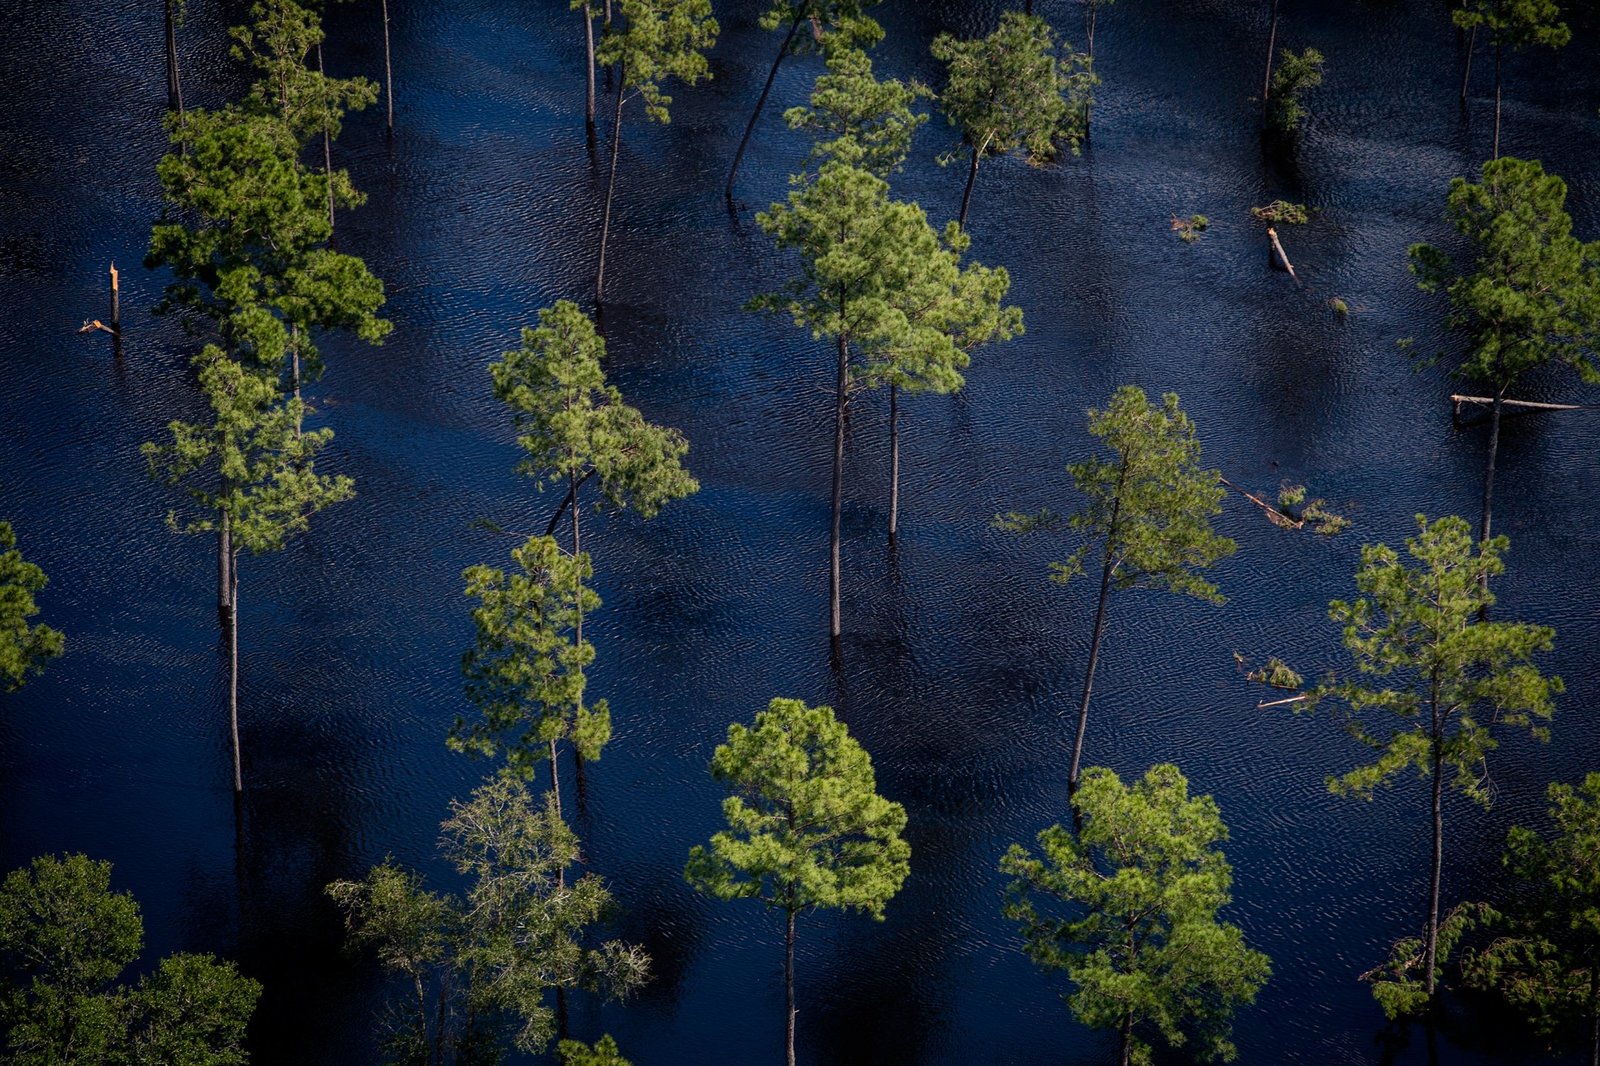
1296, 74
24, 648
858, 119
1514, 24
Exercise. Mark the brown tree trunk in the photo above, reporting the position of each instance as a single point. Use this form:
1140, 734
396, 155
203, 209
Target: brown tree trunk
788, 987
761, 102
1497, 51
966, 197
1466, 67
233, 676
588, 94
174, 84
1127, 1038
894, 462
611, 185
388, 69
327, 139
1094, 646
1272, 44
841, 396
1431, 943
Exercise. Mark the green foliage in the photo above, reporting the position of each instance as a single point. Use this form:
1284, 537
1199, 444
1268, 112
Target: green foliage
23, 648
1525, 292
806, 826
658, 40
1295, 74
65, 938
473, 972
1515, 23
603, 1053
1398, 983
1149, 507
1418, 646
252, 465
858, 119
1281, 212
525, 673
1018, 89
278, 45
1545, 958
1129, 912
836, 24
574, 426
1278, 674
1189, 229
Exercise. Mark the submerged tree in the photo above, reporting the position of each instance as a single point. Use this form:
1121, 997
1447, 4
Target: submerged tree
250, 471
659, 39
474, 972
858, 119
24, 648
1017, 89
1296, 74
1433, 690
843, 24
1127, 908
172, 17
1545, 956
525, 673
806, 826
1148, 517
65, 940
1525, 292
1514, 24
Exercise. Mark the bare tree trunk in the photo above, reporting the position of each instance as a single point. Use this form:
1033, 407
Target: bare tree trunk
1487, 520
840, 398
1272, 44
233, 676
1127, 1038
772, 75
894, 461
1497, 51
1094, 647
174, 84
1431, 953
966, 197
588, 94
611, 187
388, 69
327, 139
788, 986
1466, 67
294, 357
224, 566
422, 1007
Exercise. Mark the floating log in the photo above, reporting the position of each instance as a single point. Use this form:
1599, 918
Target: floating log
1528, 405
1274, 515
1279, 703
1278, 255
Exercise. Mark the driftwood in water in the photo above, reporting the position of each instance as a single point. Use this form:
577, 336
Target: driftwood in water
1488, 401
1277, 255
93, 325
1280, 703
1274, 515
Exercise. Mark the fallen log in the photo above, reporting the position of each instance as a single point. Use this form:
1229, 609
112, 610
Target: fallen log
1275, 516
1488, 401
1278, 255
1279, 703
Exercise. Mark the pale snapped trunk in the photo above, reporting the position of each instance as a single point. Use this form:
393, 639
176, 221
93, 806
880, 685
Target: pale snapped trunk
761, 102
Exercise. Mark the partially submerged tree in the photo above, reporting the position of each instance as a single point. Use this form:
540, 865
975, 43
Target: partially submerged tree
1433, 690
525, 672
1296, 74
858, 119
806, 826
474, 973
1525, 292
251, 473
172, 12
659, 40
1545, 955
843, 24
65, 940
24, 648
1148, 517
1018, 89
1127, 908
1514, 24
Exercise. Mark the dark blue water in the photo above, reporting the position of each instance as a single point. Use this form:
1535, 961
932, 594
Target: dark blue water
960, 661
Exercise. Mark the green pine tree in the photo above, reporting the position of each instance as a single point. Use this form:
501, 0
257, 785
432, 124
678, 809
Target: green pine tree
1514, 24
24, 648
1296, 74
858, 119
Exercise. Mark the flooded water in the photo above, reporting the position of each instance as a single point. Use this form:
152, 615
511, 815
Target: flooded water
960, 662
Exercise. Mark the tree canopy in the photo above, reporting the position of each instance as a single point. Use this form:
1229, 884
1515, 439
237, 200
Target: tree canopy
24, 648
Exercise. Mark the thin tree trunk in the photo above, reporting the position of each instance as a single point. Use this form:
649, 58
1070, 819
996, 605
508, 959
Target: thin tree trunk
1466, 67
1497, 51
555, 791
1272, 43
327, 138
972, 179
224, 566
611, 187
894, 461
588, 93
1127, 1038
1094, 646
788, 987
388, 69
1094, 11
174, 84
1437, 785
422, 1007
1594, 1015
1487, 520
233, 676
294, 357
762, 102
840, 398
